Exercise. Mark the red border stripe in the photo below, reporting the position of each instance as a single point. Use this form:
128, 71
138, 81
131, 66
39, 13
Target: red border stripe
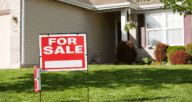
35, 84
36, 67
37, 90
35, 73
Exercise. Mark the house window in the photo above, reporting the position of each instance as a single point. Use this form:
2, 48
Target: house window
165, 27
155, 36
174, 29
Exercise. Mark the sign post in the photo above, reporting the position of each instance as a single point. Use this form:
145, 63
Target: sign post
62, 52
37, 79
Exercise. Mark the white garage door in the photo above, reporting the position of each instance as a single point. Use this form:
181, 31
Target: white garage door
5, 30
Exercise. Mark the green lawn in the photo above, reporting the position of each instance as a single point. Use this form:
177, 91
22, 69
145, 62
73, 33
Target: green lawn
108, 83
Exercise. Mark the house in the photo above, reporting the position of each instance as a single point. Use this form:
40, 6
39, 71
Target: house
21, 22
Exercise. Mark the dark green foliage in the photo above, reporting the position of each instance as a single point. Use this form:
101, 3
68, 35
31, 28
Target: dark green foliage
129, 26
185, 8
126, 52
188, 49
172, 49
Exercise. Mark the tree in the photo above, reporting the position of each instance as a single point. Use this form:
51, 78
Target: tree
185, 7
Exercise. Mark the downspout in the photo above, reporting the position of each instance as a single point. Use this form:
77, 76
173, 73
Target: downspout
23, 32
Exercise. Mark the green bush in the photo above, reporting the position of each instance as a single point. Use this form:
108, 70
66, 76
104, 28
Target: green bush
172, 49
151, 61
147, 60
188, 49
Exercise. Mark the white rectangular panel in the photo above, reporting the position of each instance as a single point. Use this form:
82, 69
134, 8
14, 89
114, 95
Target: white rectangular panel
63, 63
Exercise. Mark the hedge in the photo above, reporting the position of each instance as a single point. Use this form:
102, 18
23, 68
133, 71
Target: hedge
179, 57
172, 49
188, 49
161, 52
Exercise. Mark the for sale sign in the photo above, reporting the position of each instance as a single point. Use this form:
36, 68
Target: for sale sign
63, 52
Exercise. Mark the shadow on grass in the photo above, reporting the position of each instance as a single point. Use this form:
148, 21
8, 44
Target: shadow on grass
75, 101
151, 78
139, 99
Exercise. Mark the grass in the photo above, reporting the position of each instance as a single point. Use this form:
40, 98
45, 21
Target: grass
107, 83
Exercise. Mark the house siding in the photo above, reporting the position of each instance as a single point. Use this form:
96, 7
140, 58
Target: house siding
48, 16
13, 8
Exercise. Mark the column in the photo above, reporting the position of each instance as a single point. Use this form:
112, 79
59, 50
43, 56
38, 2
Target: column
123, 21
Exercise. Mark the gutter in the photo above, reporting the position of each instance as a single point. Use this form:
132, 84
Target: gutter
22, 32
114, 6
100, 7
118, 5
78, 3
155, 6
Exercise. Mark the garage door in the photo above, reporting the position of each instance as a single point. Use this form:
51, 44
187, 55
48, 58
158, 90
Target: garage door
5, 30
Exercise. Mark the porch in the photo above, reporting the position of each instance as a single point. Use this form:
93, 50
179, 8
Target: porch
153, 26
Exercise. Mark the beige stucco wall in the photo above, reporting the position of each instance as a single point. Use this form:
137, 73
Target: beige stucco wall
142, 52
48, 16
13, 8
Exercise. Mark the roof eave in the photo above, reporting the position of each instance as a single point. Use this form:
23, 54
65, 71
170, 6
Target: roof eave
113, 6
116, 6
79, 4
155, 6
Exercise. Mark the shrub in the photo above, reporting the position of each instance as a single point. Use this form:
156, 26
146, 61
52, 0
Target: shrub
151, 61
172, 49
155, 63
147, 60
126, 52
179, 57
188, 49
161, 52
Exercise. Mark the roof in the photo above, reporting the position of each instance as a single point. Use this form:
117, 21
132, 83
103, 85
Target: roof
104, 2
99, 5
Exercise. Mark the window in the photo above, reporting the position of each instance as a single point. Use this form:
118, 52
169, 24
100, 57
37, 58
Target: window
155, 36
174, 29
165, 27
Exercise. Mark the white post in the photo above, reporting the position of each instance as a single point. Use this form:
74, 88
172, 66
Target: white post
123, 21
